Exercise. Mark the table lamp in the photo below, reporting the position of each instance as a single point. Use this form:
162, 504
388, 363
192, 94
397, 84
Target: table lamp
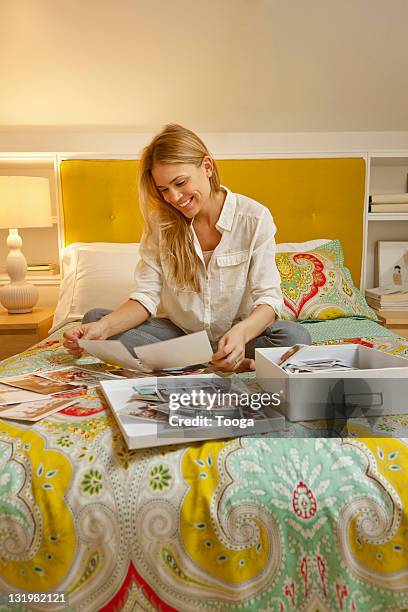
24, 202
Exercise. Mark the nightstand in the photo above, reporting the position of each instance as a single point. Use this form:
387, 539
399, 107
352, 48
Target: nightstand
396, 321
20, 331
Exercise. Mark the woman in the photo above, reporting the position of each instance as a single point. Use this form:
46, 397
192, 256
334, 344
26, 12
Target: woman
207, 262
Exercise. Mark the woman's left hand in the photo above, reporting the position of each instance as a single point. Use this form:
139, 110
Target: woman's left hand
230, 355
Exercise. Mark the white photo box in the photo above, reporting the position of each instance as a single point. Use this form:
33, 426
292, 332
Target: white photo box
378, 387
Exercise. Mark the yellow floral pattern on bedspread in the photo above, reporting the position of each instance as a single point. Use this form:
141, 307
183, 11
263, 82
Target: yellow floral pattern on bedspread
38, 538
296, 522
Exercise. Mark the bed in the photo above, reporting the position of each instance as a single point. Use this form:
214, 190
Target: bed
307, 520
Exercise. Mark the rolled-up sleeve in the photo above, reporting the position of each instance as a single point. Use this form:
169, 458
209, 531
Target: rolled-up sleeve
264, 279
148, 275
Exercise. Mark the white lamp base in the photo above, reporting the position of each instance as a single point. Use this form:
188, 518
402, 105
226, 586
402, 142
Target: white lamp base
18, 297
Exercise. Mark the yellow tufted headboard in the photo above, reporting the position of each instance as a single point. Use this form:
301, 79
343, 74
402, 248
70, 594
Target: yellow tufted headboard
308, 198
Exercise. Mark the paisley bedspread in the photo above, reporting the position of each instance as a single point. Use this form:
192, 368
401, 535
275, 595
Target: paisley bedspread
260, 524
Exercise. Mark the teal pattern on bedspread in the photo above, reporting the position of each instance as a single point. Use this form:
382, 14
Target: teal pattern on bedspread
336, 329
257, 524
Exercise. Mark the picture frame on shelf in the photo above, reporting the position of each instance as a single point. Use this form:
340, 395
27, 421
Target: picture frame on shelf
392, 263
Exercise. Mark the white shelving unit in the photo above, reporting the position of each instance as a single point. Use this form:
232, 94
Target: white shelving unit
389, 217
387, 173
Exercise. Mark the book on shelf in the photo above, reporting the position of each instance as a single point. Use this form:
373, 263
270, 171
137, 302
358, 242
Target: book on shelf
388, 307
389, 304
47, 269
389, 208
389, 198
155, 411
391, 298
394, 317
391, 293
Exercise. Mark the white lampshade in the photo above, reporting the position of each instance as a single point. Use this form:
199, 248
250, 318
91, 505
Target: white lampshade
24, 202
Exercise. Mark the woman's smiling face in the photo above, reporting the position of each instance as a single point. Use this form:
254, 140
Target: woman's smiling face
186, 187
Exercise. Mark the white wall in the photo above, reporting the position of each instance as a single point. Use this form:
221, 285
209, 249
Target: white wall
251, 76
215, 66
226, 143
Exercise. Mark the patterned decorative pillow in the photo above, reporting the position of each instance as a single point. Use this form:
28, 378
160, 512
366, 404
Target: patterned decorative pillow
317, 286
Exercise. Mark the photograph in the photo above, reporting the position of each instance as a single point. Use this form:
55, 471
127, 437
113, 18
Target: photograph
76, 376
13, 395
392, 261
257, 415
34, 411
146, 412
188, 370
118, 372
37, 384
104, 368
146, 393
214, 395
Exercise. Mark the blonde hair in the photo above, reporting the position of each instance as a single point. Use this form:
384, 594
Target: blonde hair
173, 145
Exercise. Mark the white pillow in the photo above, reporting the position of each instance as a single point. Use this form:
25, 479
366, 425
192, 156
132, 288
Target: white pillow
95, 275
300, 247
101, 275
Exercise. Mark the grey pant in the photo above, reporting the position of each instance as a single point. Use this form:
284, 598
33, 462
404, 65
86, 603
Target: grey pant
280, 333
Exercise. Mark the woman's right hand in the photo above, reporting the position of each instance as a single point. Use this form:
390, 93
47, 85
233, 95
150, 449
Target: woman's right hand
85, 331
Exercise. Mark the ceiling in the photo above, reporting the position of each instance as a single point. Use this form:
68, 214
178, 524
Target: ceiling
213, 65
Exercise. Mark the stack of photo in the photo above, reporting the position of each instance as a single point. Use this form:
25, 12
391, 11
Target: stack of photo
170, 410
32, 397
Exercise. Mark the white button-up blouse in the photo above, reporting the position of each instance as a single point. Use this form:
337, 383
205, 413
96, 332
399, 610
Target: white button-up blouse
240, 275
